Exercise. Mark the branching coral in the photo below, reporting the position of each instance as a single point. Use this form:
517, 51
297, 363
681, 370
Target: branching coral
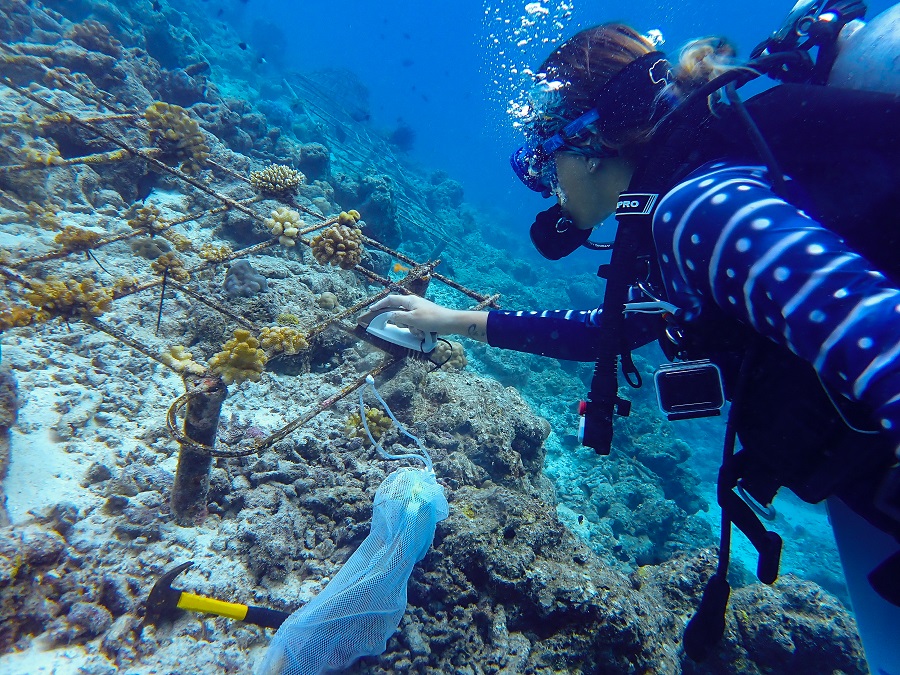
178, 240
240, 359
339, 245
169, 263
147, 218
94, 36
285, 224
282, 340
215, 253
71, 298
178, 358
178, 134
44, 216
77, 238
14, 316
378, 423
276, 179
449, 354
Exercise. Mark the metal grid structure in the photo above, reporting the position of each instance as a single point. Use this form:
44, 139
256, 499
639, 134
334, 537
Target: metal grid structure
104, 126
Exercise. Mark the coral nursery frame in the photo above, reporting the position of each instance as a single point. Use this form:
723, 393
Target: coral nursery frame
90, 302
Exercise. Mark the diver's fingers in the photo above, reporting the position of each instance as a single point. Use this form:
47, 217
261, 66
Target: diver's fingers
393, 300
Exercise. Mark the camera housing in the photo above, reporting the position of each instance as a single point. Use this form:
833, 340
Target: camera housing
689, 390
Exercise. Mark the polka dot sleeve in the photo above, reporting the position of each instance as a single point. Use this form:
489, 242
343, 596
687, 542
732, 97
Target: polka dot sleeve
724, 237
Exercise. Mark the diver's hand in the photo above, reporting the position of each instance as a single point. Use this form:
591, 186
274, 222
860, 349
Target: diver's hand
428, 317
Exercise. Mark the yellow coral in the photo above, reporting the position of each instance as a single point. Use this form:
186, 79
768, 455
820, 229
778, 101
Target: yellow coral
288, 319
349, 217
215, 253
449, 354
43, 216
71, 298
13, 316
378, 423
285, 224
179, 241
171, 264
339, 245
146, 218
276, 179
282, 339
77, 238
180, 359
240, 359
178, 134
52, 158
95, 37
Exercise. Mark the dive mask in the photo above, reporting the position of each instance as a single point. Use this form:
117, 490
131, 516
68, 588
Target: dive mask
630, 99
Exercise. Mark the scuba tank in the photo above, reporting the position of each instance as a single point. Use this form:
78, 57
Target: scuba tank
869, 56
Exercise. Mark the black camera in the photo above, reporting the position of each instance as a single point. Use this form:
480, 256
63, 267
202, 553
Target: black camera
690, 389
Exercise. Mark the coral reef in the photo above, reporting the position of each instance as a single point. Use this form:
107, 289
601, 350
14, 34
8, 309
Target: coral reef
215, 252
95, 37
77, 238
241, 359
377, 421
178, 135
277, 179
68, 299
172, 265
338, 245
449, 354
282, 340
180, 359
150, 247
285, 224
327, 300
242, 281
315, 160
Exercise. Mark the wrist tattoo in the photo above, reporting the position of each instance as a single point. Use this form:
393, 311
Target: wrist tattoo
474, 332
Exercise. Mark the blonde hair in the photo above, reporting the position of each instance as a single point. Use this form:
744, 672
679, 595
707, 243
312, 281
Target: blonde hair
703, 60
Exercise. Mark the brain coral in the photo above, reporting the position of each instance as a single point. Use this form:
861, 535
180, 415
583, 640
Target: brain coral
242, 281
339, 245
240, 359
177, 134
449, 354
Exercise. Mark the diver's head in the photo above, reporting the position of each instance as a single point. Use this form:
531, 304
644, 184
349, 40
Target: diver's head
597, 100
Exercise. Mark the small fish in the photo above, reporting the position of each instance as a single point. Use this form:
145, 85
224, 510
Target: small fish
407, 62
398, 268
242, 45
220, 12
156, 5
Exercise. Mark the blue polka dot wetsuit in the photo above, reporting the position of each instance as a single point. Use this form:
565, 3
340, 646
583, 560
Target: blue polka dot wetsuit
724, 237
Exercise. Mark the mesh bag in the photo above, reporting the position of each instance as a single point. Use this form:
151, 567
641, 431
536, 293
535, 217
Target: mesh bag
362, 605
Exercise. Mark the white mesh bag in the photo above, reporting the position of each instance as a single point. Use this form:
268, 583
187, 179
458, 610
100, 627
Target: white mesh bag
362, 605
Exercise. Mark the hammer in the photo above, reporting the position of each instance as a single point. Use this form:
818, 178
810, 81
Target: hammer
164, 601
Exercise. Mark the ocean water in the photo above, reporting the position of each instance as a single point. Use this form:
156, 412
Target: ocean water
552, 559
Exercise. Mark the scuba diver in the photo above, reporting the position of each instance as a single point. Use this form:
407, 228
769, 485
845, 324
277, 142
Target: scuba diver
757, 241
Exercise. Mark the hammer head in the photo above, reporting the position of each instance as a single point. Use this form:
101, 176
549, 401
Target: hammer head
162, 603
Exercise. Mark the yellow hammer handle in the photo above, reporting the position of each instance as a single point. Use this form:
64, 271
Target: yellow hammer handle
198, 603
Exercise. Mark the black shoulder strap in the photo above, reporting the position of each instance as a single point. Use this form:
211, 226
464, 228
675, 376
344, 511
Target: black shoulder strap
677, 150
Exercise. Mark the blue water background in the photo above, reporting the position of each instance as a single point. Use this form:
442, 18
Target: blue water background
434, 65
